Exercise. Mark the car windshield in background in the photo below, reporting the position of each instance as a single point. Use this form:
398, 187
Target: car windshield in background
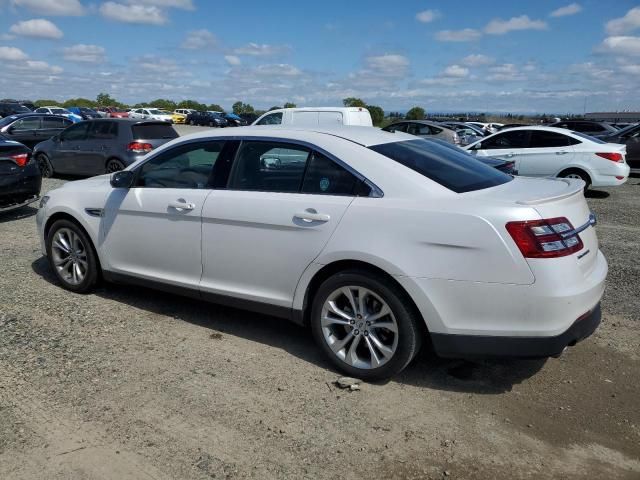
59, 111
156, 112
153, 131
454, 170
588, 137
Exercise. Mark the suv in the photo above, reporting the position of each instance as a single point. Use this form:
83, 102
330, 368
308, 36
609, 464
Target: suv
32, 128
12, 108
101, 146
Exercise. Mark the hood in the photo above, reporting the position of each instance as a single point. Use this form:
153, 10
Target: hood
93, 182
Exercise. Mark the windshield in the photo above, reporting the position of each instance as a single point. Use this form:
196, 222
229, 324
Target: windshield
59, 111
455, 170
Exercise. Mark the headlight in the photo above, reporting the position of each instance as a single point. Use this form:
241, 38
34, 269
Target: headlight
43, 201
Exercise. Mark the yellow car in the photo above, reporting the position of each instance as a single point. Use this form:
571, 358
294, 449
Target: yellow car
178, 117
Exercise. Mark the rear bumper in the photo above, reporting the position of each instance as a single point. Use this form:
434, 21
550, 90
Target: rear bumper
474, 346
20, 189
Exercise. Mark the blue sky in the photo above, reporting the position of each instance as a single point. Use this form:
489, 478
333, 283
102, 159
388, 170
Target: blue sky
513, 56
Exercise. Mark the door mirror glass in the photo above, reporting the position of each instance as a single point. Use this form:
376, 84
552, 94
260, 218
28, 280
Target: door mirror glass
122, 179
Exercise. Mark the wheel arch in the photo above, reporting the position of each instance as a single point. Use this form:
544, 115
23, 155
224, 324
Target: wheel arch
61, 215
576, 169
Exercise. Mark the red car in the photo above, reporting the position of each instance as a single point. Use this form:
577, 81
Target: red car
113, 112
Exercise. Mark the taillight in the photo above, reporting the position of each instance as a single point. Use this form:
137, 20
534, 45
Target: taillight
21, 159
614, 156
548, 238
139, 147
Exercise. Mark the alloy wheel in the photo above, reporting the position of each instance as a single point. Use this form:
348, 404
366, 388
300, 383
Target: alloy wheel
359, 327
114, 166
69, 255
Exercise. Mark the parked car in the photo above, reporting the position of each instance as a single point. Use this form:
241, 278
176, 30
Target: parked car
184, 111
150, 114
513, 125
20, 179
178, 118
425, 129
210, 119
10, 108
488, 128
234, 120
60, 112
101, 146
505, 166
204, 216
112, 112
84, 112
249, 117
594, 129
556, 152
467, 133
314, 117
629, 136
32, 128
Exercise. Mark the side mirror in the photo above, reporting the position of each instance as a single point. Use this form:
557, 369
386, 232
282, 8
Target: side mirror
122, 179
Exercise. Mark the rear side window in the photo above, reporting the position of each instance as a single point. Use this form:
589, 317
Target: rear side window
153, 131
512, 139
103, 130
324, 176
53, 122
544, 139
397, 127
457, 171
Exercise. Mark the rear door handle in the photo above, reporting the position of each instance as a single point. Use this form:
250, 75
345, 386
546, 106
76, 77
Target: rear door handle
311, 215
178, 205
562, 152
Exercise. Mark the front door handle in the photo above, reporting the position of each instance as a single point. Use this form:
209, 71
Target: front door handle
510, 155
562, 152
311, 215
178, 205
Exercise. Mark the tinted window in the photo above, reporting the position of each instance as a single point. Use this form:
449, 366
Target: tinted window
455, 170
186, 166
271, 119
396, 127
29, 123
75, 132
153, 131
510, 139
103, 130
544, 139
269, 167
54, 122
587, 137
325, 176
422, 129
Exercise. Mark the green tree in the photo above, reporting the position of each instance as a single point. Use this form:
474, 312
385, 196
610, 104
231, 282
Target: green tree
46, 103
164, 104
192, 104
289, 105
274, 108
353, 102
240, 108
79, 102
106, 100
214, 107
377, 114
416, 113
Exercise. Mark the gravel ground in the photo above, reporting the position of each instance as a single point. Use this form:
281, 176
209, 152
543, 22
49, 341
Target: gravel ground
127, 383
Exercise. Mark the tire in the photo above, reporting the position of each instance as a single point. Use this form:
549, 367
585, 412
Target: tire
44, 165
192, 123
72, 257
113, 165
365, 360
577, 174
211, 124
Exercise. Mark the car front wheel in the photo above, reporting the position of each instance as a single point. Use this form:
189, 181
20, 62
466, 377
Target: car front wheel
365, 325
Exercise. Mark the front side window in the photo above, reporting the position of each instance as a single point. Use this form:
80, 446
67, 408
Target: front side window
545, 139
271, 119
29, 123
326, 177
456, 170
77, 131
185, 166
512, 139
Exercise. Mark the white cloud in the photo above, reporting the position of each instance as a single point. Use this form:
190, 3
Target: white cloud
456, 71
199, 39
631, 69
626, 24
261, 50
12, 54
277, 70
36, 66
498, 26
71, 8
142, 14
465, 35
232, 60
620, 45
390, 64
570, 9
428, 16
506, 72
477, 60
82, 53
37, 28
182, 4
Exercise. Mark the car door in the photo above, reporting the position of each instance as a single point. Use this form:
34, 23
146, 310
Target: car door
52, 126
504, 146
91, 158
261, 232
68, 147
25, 130
153, 230
546, 154
632, 140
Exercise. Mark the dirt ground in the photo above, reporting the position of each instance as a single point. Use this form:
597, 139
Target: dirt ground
128, 383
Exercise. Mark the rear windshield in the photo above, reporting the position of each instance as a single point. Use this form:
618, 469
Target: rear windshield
453, 169
154, 131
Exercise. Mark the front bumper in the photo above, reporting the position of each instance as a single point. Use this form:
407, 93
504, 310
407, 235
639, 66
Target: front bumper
477, 346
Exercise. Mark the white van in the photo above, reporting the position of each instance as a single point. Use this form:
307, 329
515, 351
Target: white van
315, 117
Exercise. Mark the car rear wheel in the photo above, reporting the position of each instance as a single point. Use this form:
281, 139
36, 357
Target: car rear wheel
72, 257
46, 169
192, 122
114, 165
579, 175
365, 325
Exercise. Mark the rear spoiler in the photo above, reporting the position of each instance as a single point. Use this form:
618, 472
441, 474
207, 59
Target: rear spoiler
574, 186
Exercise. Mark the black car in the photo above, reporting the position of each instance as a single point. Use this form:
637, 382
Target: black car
512, 125
20, 179
505, 166
594, 129
12, 108
106, 145
32, 128
211, 119
630, 136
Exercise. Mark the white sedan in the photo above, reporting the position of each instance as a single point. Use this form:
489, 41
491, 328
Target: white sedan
557, 152
378, 241
151, 114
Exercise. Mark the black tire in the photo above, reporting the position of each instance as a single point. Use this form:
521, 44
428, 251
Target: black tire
113, 165
92, 271
409, 335
211, 124
192, 123
577, 173
44, 165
